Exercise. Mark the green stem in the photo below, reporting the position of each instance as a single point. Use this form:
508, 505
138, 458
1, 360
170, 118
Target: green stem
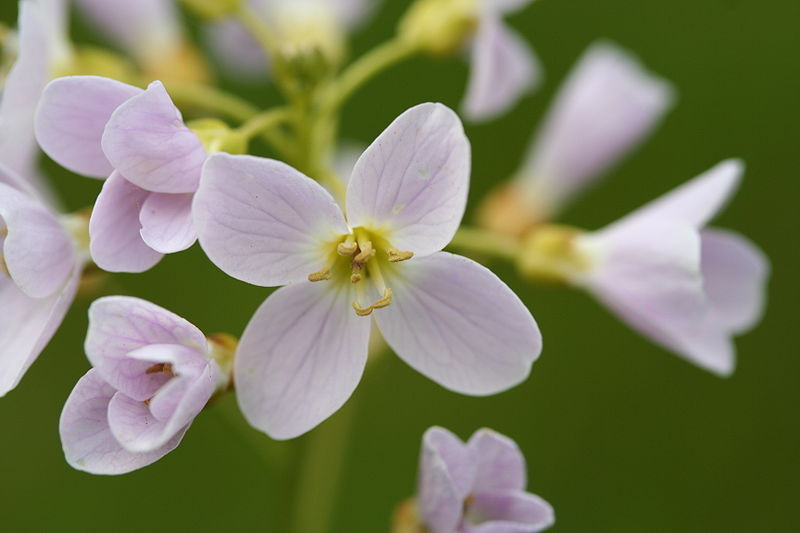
482, 241
264, 121
211, 99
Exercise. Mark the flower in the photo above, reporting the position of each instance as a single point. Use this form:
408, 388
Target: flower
97, 126
304, 351
607, 105
477, 487
40, 268
686, 287
152, 374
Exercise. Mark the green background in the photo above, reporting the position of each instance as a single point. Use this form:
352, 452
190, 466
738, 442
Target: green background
620, 436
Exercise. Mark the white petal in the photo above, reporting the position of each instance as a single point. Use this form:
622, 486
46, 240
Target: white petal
412, 181
300, 358
459, 324
167, 225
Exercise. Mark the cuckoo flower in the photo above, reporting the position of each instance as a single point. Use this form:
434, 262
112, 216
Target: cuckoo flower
686, 287
477, 487
152, 374
40, 267
97, 126
304, 350
606, 106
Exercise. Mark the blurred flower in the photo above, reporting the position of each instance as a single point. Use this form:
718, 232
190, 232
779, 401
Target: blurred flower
607, 105
152, 375
684, 286
304, 350
296, 26
477, 487
40, 267
98, 126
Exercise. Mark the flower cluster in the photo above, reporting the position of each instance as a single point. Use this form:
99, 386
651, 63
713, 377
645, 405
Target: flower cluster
358, 256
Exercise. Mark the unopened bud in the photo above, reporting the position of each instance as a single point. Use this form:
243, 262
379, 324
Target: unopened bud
550, 253
212, 9
440, 27
217, 136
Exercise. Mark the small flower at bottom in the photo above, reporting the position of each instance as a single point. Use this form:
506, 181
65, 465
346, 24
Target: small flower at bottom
153, 374
304, 351
477, 487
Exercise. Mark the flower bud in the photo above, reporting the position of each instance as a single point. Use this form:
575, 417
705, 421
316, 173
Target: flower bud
549, 253
217, 136
96, 61
212, 9
440, 27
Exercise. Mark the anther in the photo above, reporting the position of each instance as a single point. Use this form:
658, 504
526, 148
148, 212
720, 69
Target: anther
355, 274
4, 266
159, 368
395, 256
385, 301
366, 253
320, 275
362, 311
346, 248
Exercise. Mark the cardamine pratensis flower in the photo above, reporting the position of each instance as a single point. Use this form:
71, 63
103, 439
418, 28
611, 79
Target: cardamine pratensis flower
304, 351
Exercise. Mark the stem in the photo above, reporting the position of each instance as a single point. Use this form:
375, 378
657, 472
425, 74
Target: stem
481, 241
211, 99
367, 66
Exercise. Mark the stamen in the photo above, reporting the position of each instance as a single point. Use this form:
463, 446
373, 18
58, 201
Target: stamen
365, 311
320, 275
366, 253
355, 273
348, 246
165, 368
395, 256
385, 301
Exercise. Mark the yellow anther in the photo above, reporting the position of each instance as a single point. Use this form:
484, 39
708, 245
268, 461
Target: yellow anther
385, 301
395, 256
346, 248
362, 311
355, 274
160, 368
366, 253
321, 275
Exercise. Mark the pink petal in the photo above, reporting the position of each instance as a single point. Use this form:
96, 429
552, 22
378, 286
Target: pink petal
167, 224
508, 511
735, 275
28, 326
413, 180
37, 250
502, 69
86, 437
263, 222
300, 358
459, 324
71, 117
607, 105
500, 463
147, 142
115, 240
446, 474
119, 325
235, 50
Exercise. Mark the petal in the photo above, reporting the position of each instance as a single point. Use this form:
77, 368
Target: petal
118, 325
459, 324
263, 222
445, 478
502, 69
114, 229
27, 327
412, 180
86, 437
300, 358
167, 224
508, 511
695, 202
235, 50
500, 463
607, 105
147, 141
37, 250
71, 117
735, 275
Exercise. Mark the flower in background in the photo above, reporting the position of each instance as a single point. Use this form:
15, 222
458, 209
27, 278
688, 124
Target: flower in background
686, 287
477, 487
296, 26
101, 127
40, 268
303, 352
607, 105
153, 372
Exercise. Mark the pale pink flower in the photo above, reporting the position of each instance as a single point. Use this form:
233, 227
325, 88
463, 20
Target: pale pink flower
152, 375
477, 487
304, 351
99, 127
684, 286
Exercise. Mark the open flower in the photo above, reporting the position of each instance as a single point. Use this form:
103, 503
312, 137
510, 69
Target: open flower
304, 350
684, 286
607, 105
97, 126
477, 487
40, 267
153, 373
